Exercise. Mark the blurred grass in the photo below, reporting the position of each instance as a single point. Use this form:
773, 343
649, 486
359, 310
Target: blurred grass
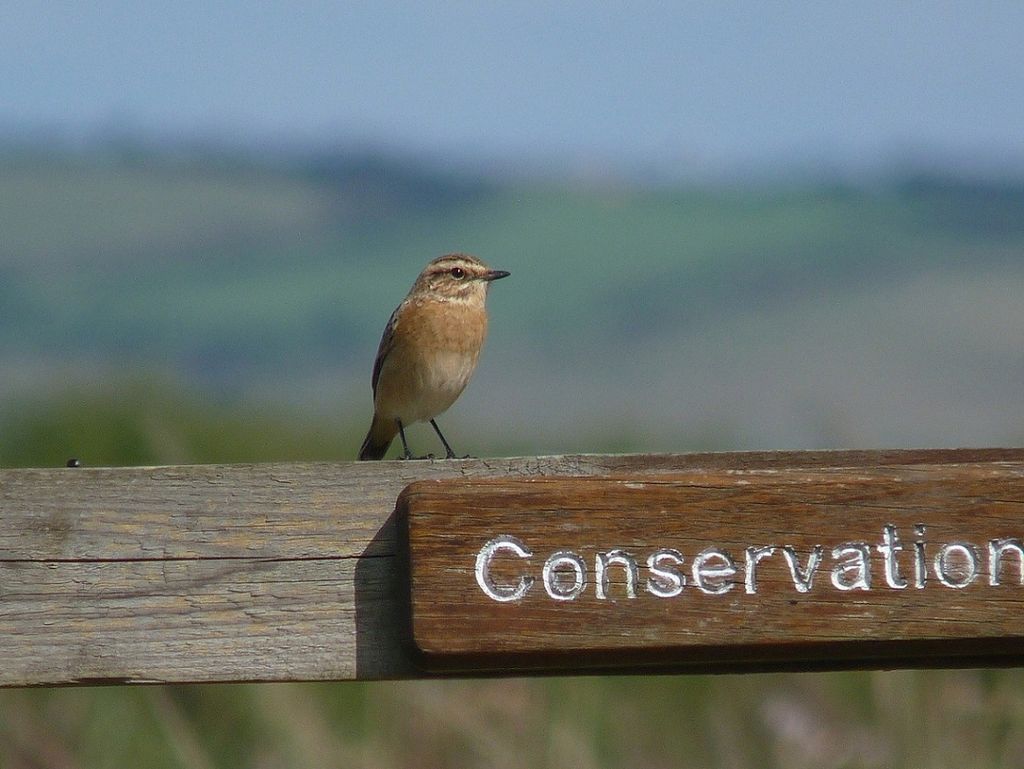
909, 719
148, 422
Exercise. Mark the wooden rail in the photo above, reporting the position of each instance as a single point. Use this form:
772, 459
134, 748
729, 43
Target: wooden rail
268, 572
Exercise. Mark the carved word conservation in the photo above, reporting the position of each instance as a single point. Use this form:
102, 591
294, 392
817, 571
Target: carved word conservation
566, 574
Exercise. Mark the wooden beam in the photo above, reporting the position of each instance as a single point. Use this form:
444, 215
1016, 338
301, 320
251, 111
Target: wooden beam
256, 572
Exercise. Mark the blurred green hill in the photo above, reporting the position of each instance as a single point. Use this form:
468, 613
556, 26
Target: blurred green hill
267, 281
212, 263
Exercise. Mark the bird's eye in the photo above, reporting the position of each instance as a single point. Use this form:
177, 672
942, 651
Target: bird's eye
458, 273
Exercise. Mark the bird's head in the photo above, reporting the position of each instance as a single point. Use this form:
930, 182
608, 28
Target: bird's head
457, 277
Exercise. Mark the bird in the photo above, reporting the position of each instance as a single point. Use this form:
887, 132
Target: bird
429, 350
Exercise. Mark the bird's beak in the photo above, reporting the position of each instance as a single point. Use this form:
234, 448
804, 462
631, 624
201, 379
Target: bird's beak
495, 275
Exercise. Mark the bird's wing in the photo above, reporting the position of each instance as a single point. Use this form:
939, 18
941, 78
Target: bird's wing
387, 341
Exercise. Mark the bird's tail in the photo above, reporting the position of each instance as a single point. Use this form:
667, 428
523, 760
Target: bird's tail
382, 432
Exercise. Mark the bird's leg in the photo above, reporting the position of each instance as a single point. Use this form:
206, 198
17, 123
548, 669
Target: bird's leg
449, 454
406, 454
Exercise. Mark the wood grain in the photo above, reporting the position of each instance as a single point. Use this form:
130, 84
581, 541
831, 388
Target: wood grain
906, 608
256, 572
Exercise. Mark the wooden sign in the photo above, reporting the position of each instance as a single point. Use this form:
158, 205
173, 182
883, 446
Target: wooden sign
723, 570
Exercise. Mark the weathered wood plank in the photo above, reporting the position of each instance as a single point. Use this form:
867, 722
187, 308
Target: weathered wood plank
187, 620
753, 567
306, 510
252, 572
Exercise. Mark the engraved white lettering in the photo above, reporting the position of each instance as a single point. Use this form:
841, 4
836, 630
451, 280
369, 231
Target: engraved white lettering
504, 564
889, 548
712, 578
996, 548
859, 566
753, 557
920, 561
665, 581
503, 593
616, 558
554, 566
803, 579
948, 572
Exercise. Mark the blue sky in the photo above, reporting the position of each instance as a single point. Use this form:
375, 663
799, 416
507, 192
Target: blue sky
688, 88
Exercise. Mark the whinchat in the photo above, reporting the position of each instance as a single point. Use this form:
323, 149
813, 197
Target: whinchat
429, 350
